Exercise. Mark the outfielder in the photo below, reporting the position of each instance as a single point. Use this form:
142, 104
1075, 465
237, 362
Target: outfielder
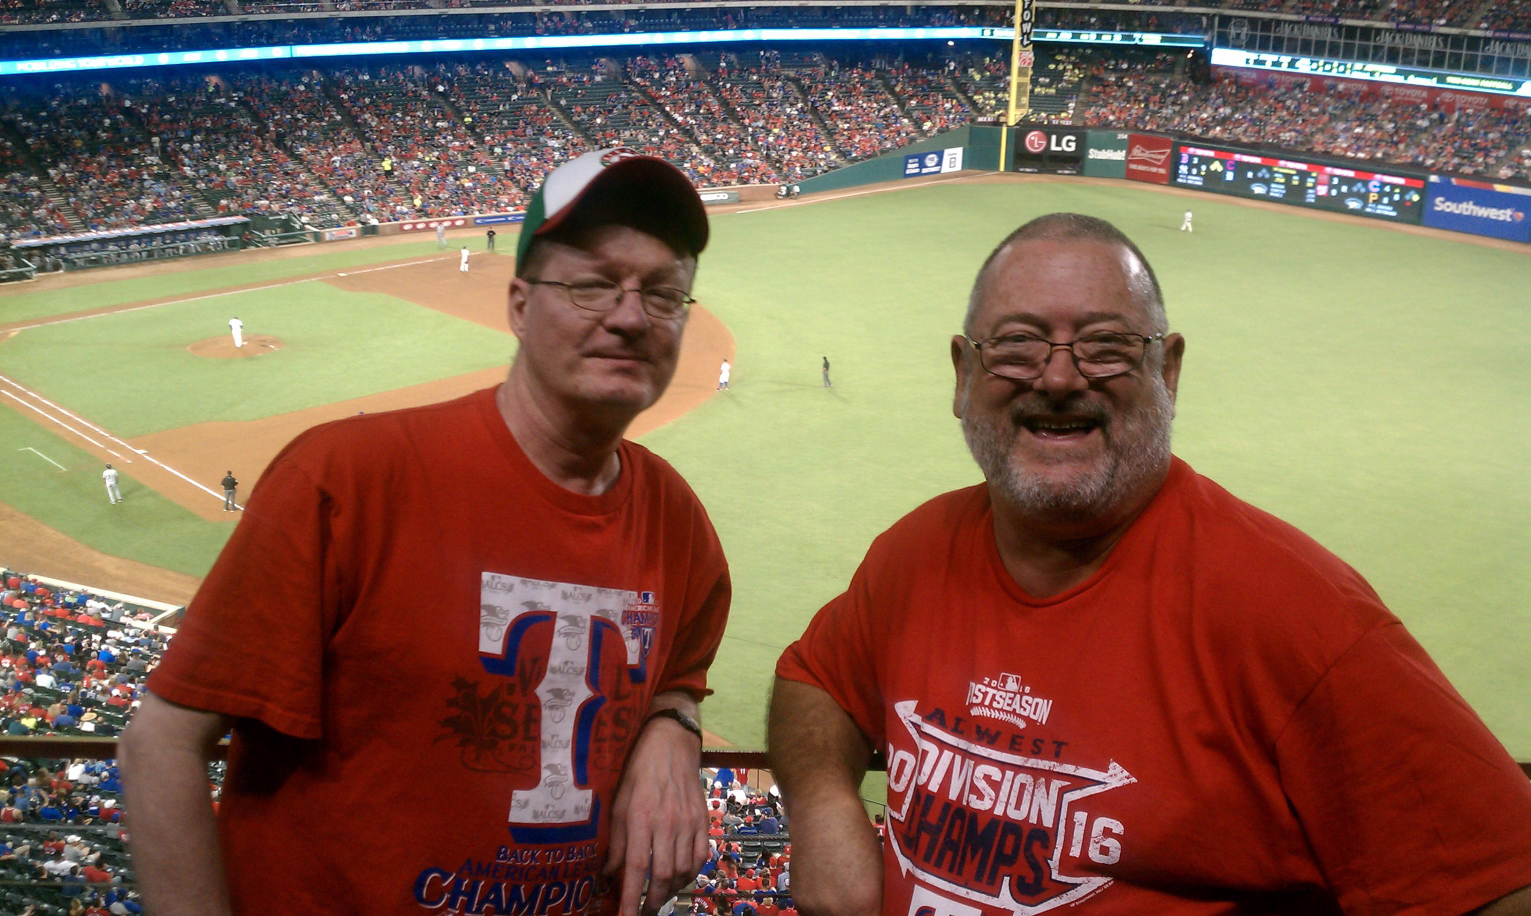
1185, 224
723, 373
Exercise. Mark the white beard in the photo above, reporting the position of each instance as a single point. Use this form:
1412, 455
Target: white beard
1136, 451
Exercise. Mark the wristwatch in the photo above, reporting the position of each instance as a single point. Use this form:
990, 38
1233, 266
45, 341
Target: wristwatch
670, 712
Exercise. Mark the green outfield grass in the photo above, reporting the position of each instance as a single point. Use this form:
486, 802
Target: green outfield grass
145, 526
1366, 384
131, 371
22, 304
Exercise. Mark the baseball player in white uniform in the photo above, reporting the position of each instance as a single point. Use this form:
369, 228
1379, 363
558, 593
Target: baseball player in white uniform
109, 476
441, 233
237, 328
723, 371
1185, 224
463, 265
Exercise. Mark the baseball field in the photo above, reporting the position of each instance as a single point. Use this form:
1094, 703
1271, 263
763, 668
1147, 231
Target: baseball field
1368, 383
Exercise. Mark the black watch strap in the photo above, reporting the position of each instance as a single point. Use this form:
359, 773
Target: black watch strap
670, 712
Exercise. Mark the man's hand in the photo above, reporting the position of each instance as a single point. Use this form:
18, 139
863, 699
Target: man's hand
659, 818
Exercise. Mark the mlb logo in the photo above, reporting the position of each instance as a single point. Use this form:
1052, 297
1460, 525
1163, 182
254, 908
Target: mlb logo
1010, 682
645, 597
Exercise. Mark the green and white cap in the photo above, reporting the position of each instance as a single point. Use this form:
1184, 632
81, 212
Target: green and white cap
661, 186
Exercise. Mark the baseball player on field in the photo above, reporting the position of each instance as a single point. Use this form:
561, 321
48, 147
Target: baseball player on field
109, 477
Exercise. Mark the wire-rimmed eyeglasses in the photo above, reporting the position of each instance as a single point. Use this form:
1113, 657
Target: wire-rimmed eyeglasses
603, 296
1024, 358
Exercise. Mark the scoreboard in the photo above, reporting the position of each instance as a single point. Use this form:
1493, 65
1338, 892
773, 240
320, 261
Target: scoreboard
1305, 184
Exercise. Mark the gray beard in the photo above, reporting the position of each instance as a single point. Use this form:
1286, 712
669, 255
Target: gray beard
1137, 451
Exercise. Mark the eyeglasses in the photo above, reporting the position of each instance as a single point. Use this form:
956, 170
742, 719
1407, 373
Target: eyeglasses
601, 296
1024, 358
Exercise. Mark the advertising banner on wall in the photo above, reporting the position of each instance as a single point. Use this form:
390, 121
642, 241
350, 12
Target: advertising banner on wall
335, 235
718, 197
451, 222
495, 219
933, 163
1300, 182
1106, 155
1049, 149
1479, 207
1148, 158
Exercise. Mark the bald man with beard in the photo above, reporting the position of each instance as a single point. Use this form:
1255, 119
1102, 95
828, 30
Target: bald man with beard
1103, 683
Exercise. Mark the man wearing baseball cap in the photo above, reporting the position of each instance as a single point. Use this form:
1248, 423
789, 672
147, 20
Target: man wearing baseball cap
496, 607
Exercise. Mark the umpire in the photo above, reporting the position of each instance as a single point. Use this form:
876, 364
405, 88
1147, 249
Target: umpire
229, 486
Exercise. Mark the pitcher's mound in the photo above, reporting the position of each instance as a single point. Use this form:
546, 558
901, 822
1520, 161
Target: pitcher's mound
222, 347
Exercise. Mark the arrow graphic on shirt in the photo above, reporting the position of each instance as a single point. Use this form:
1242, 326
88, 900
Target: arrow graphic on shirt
929, 740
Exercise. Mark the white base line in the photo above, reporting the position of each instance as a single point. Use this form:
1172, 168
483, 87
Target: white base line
829, 197
63, 424
228, 292
28, 448
145, 455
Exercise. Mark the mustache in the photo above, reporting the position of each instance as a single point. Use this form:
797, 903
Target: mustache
1033, 407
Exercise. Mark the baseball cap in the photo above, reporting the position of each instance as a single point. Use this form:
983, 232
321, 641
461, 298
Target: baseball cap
662, 188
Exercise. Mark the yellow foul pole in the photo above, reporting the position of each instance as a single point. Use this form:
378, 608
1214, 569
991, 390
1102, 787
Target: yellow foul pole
1020, 73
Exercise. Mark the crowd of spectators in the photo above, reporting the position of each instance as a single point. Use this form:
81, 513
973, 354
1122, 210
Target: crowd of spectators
173, 9
728, 155
26, 210
40, 12
748, 871
1353, 124
221, 150
71, 663
98, 156
358, 144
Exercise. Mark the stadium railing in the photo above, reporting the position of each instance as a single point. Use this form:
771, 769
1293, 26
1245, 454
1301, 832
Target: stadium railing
106, 749
27, 271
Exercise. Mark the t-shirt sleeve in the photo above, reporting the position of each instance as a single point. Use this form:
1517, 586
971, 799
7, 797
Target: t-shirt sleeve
252, 643
836, 654
700, 631
1409, 803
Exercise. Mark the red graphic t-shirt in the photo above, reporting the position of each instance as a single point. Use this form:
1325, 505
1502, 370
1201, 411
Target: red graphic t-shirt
463, 652
1223, 719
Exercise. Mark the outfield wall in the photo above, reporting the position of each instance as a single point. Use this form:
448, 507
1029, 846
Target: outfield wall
1399, 194
891, 166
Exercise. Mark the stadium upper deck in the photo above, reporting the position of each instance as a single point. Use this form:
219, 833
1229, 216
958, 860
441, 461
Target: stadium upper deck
356, 144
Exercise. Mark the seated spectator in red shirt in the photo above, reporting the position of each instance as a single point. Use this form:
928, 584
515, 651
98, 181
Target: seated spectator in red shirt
748, 883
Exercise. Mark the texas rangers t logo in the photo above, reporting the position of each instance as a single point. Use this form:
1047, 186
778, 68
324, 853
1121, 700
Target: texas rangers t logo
580, 617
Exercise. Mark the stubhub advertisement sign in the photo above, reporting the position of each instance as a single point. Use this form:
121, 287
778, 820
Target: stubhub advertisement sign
1479, 207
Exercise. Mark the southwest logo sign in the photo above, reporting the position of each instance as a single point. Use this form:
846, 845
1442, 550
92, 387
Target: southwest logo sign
994, 827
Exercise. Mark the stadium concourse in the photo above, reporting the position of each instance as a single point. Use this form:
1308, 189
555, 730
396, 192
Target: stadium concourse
72, 664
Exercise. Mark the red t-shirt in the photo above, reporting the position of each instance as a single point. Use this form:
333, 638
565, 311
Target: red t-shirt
440, 622
1224, 718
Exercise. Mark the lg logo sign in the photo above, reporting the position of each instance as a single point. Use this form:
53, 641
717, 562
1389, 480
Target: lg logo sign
1038, 141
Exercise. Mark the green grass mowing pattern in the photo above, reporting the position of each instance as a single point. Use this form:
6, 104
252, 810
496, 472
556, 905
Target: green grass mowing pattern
34, 304
1365, 384
132, 374
145, 526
